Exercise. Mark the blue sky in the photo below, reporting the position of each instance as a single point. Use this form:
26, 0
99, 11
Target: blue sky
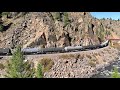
113, 15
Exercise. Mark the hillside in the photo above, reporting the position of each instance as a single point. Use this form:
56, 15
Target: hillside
59, 29
54, 29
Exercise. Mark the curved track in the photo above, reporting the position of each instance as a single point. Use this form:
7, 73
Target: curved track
35, 51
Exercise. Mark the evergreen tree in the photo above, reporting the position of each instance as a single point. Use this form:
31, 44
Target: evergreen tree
39, 73
17, 68
66, 19
1, 27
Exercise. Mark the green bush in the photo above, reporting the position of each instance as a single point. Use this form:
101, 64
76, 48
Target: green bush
101, 32
66, 19
57, 16
17, 68
92, 63
5, 13
47, 64
1, 27
2, 66
115, 73
39, 73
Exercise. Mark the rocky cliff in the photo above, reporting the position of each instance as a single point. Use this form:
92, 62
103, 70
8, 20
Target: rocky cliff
53, 29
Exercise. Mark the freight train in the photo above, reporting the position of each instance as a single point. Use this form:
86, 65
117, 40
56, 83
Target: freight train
7, 51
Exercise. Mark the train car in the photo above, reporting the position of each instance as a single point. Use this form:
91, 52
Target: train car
91, 47
61, 49
42, 50
5, 51
52, 49
95, 46
71, 48
30, 50
98, 46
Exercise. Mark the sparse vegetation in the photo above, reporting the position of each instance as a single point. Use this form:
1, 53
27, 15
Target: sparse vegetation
108, 32
1, 27
47, 64
67, 56
115, 45
90, 57
112, 29
115, 73
95, 54
5, 13
92, 63
39, 72
81, 56
1, 66
57, 16
101, 32
94, 60
66, 19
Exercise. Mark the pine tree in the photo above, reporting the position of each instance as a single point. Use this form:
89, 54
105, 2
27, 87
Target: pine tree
1, 27
39, 73
66, 19
17, 68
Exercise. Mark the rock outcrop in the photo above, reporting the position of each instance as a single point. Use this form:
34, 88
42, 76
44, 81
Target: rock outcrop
52, 29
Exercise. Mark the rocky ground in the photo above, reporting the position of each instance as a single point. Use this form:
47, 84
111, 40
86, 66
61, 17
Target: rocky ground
82, 64
106, 72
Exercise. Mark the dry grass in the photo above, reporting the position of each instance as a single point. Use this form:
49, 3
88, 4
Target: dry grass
95, 54
92, 63
104, 60
116, 45
47, 64
67, 56
90, 57
2, 66
94, 60
81, 56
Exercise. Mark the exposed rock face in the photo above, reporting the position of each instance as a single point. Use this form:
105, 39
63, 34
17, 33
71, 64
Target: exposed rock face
42, 29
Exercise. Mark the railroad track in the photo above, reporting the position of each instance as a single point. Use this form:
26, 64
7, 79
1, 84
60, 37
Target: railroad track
32, 56
53, 50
